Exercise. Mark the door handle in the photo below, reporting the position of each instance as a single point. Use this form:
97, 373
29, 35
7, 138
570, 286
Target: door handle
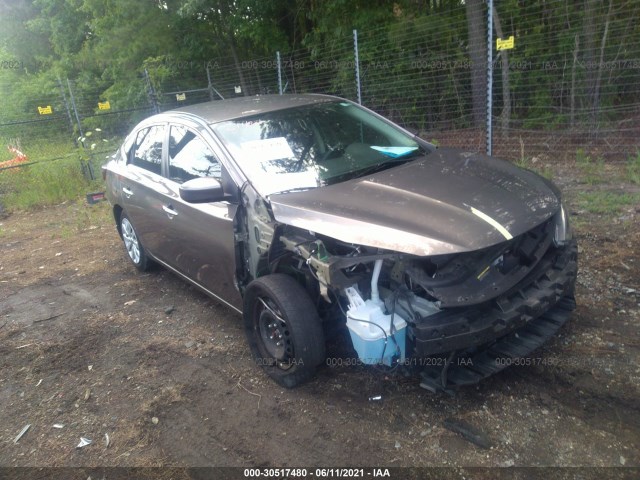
127, 191
168, 209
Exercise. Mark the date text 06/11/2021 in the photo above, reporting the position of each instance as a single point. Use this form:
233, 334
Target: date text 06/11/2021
317, 472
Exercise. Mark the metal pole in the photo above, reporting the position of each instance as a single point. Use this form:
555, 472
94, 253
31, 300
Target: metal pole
86, 166
75, 110
66, 105
489, 74
279, 73
211, 88
357, 62
152, 94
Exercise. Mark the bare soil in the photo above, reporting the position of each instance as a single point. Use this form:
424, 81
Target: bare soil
89, 344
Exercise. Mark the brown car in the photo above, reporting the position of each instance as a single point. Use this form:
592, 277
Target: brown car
305, 211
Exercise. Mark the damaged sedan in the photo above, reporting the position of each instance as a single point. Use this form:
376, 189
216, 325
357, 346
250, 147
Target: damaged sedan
306, 212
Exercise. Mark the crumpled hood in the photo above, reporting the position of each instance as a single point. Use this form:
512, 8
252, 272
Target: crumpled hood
449, 201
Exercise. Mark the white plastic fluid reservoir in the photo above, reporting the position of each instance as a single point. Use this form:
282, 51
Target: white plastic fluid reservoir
370, 330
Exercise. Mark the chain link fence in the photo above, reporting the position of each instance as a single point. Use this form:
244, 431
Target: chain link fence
561, 89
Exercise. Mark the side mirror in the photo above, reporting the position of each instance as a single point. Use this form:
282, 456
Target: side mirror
202, 190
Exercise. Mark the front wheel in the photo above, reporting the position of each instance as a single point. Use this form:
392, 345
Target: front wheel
283, 329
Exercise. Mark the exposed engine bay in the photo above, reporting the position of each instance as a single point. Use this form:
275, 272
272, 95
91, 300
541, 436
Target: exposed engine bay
399, 306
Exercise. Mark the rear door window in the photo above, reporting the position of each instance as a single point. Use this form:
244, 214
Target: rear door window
147, 151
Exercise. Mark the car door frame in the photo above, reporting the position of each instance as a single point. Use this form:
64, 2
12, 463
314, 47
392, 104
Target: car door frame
209, 258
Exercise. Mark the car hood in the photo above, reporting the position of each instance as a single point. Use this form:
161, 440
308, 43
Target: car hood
446, 202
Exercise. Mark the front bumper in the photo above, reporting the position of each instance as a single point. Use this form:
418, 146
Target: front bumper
459, 329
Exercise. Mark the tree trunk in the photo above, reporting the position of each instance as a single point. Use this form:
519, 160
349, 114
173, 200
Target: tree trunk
595, 103
576, 49
477, 53
589, 42
505, 116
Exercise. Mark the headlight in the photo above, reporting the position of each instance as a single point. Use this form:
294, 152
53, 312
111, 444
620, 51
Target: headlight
562, 234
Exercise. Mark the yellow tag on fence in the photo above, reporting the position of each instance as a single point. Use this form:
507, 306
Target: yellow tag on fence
104, 105
507, 44
45, 110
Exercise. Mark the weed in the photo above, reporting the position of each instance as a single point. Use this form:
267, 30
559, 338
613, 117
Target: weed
633, 168
544, 170
36, 148
592, 170
43, 183
88, 216
604, 202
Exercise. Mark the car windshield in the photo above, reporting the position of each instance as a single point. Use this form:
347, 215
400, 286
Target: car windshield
314, 145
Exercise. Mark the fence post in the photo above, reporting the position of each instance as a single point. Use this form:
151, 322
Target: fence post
66, 105
87, 170
489, 75
357, 62
75, 110
279, 73
153, 98
210, 86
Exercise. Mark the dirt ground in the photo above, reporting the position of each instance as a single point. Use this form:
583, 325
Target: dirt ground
91, 348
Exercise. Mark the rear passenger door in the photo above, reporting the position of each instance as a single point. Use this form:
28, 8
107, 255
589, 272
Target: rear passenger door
142, 185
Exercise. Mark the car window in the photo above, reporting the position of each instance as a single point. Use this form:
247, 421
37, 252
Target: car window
190, 157
147, 151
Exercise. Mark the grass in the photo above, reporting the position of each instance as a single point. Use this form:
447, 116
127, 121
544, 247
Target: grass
544, 170
56, 176
82, 216
633, 168
37, 149
44, 183
604, 202
591, 170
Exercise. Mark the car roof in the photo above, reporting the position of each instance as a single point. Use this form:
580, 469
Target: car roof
233, 108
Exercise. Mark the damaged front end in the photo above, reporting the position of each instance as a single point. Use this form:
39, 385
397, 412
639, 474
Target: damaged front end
469, 311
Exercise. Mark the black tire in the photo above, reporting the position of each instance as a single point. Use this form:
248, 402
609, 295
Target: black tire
283, 329
132, 245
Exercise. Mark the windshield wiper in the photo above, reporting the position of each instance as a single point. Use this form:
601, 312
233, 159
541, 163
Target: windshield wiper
378, 167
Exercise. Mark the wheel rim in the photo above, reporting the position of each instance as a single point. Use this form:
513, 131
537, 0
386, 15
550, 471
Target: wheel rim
273, 333
130, 241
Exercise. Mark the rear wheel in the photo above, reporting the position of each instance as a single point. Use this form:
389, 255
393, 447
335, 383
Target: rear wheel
135, 250
283, 329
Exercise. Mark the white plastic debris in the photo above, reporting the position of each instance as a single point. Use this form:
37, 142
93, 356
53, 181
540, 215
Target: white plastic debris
58, 425
84, 442
22, 432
